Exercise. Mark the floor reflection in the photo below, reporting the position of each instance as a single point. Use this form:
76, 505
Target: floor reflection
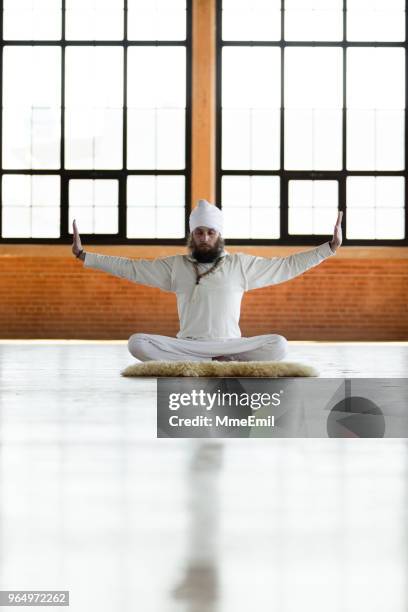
199, 587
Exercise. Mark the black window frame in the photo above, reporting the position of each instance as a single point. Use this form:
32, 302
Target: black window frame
285, 175
122, 174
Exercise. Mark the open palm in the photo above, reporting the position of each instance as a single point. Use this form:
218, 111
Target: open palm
337, 234
76, 244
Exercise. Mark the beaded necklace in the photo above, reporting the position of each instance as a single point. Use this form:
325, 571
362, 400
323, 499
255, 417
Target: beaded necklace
199, 275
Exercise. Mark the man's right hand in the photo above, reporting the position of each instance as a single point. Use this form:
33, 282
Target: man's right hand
76, 244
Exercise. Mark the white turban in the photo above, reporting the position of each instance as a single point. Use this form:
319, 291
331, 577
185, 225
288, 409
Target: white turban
207, 215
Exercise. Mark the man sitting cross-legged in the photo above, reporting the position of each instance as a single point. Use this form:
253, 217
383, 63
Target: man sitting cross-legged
209, 283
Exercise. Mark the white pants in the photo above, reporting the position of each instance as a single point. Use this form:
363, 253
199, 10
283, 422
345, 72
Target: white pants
154, 347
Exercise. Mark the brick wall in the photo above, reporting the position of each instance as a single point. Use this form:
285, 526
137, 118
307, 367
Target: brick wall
360, 294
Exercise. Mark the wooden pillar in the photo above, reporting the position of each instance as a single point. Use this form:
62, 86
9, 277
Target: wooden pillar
203, 100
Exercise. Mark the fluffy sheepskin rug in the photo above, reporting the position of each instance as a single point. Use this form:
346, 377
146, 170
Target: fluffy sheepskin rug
225, 369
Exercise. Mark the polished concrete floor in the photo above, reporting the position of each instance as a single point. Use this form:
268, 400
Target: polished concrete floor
92, 502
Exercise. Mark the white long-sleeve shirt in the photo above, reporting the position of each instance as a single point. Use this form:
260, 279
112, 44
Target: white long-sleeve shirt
211, 309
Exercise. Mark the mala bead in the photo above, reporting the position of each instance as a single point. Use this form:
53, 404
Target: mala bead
199, 276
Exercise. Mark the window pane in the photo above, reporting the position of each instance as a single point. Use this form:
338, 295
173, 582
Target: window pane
170, 139
170, 191
31, 107
376, 103
309, 194
141, 191
156, 139
28, 20
156, 103
94, 204
141, 139
155, 222
170, 222
259, 191
45, 222
250, 77
375, 140
105, 220
237, 222
376, 20
313, 102
312, 206
156, 190
155, 206
313, 139
375, 78
379, 201
94, 19
251, 19
251, 205
141, 223
94, 107
265, 223
16, 190
313, 19
236, 139
156, 19
251, 108
383, 191
390, 224
30, 206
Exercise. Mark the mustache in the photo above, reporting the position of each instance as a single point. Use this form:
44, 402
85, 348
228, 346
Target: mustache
194, 249
205, 253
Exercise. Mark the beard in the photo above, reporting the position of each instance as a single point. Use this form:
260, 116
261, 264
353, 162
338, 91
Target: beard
205, 253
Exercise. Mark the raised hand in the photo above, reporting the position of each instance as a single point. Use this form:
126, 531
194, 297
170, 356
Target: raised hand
76, 244
337, 234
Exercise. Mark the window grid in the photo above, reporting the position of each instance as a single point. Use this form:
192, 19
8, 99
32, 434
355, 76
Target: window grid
287, 175
122, 174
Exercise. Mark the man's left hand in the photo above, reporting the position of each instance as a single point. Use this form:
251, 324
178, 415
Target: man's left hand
337, 234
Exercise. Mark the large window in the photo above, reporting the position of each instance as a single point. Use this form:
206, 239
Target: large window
311, 119
95, 120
